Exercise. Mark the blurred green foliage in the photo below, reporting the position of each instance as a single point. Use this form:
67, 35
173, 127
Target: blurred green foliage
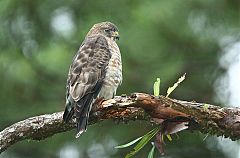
159, 38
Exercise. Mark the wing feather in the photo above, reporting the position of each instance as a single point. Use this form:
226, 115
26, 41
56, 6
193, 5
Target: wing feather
85, 79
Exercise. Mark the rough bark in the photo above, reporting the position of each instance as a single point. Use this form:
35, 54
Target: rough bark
210, 119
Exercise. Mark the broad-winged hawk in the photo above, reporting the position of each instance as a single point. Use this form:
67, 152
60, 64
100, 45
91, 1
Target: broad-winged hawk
96, 72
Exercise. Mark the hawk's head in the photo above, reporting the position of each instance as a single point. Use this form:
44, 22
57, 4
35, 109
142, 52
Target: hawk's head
107, 29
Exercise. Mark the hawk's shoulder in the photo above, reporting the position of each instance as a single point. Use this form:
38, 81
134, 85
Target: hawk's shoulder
94, 42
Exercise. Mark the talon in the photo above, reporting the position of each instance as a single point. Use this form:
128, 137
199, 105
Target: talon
99, 102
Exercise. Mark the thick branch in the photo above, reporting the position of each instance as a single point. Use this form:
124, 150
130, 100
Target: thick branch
210, 119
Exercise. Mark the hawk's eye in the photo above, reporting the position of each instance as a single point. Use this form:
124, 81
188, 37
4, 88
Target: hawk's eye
107, 30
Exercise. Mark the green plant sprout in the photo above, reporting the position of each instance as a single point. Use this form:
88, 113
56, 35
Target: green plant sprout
205, 107
156, 87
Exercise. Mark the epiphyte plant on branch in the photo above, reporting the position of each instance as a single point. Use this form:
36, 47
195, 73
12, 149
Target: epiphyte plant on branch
167, 126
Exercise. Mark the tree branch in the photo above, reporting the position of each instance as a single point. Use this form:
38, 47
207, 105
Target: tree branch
207, 118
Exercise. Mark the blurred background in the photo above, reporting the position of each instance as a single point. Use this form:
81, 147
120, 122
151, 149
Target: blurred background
159, 38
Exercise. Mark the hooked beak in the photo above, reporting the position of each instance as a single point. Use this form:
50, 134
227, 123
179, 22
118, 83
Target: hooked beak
116, 35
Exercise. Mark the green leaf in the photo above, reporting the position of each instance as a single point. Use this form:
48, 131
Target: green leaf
169, 137
145, 139
150, 154
156, 87
206, 137
171, 89
128, 144
205, 107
